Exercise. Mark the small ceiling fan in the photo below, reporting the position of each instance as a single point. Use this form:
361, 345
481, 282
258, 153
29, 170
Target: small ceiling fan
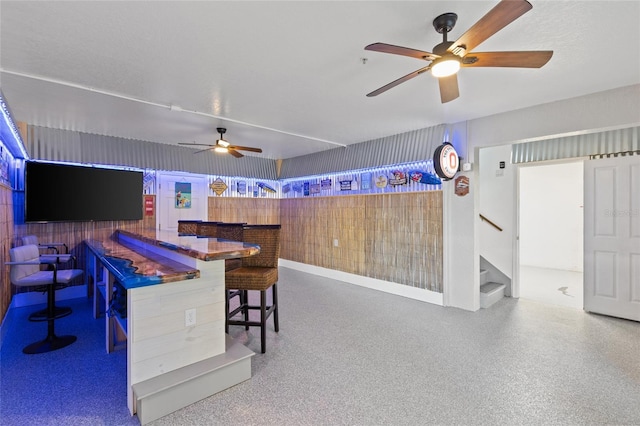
449, 56
223, 146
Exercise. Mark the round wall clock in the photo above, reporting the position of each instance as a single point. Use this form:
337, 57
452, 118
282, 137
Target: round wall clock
446, 161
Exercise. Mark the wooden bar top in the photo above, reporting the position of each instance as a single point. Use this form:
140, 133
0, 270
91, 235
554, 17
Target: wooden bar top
138, 268
206, 249
135, 266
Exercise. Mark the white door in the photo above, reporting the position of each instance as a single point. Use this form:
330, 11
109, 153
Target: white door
169, 212
612, 237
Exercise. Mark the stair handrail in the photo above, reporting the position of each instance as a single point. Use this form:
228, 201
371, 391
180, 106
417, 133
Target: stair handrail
490, 222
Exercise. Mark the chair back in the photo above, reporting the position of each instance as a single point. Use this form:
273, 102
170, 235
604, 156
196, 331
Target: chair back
25, 253
188, 227
206, 229
230, 231
29, 239
268, 238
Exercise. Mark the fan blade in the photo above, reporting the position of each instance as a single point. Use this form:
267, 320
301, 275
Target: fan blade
245, 148
399, 50
204, 150
194, 144
496, 19
448, 88
532, 59
235, 153
398, 81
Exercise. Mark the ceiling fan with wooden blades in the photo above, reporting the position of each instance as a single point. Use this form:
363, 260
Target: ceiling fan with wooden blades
223, 146
449, 56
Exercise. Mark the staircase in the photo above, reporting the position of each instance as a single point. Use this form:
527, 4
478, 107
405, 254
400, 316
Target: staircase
490, 292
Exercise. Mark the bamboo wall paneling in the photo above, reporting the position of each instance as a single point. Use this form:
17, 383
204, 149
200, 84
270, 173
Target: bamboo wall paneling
255, 211
392, 237
6, 243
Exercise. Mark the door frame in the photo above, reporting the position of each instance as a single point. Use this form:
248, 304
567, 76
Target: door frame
203, 211
515, 279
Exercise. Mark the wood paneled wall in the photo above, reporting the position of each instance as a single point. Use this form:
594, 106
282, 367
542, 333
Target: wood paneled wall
257, 211
6, 238
392, 237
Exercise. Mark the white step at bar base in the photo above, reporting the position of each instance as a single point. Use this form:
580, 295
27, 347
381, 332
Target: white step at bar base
490, 293
179, 388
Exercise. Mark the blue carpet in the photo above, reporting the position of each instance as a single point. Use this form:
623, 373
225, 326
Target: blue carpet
77, 385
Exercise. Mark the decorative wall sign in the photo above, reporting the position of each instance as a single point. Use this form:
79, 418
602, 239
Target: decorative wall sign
397, 178
424, 177
149, 182
265, 187
218, 186
345, 185
381, 181
148, 205
314, 188
325, 184
183, 195
446, 161
306, 188
462, 186
297, 187
286, 188
365, 181
241, 187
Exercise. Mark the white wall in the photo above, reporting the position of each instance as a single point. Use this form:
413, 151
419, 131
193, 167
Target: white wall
460, 261
551, 199
614, 108
496, 199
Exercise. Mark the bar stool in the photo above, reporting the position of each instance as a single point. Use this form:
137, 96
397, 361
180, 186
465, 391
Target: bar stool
25, 272
55, 252
256, 273
233, 232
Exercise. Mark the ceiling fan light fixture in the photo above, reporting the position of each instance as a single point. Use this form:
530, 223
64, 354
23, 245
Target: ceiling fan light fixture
222, 149
445, 66
223, 143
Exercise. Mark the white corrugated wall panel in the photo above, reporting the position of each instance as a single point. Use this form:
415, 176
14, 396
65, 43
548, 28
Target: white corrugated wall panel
53, 144
78, 147
601, 143
417, 145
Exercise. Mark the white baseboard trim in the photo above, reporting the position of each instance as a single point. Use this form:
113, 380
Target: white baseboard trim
372, 283
21, 300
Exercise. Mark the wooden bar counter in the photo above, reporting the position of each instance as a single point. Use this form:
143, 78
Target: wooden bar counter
177, 350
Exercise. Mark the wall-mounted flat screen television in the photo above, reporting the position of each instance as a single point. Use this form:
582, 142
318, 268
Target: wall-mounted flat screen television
57, 192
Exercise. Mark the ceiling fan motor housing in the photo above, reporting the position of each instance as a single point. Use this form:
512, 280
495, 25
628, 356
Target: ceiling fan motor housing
445, 22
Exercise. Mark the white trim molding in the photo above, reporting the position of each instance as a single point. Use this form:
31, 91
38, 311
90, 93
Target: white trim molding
372, 283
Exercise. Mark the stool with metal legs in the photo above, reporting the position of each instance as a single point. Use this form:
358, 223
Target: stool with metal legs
25, 272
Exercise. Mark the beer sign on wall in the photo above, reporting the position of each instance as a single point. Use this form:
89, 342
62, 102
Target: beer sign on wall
446, 161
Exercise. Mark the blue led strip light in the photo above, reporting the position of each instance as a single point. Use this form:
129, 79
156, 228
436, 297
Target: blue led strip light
14, 131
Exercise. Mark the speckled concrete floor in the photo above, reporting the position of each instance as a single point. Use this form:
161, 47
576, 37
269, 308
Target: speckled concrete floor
353, 356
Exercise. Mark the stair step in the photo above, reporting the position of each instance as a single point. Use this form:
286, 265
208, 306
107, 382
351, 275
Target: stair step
489, 288
490, 293
484, 276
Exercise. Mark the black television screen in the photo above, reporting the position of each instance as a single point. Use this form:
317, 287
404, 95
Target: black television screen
65, 193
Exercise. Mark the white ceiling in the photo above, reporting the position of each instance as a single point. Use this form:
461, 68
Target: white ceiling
288, 77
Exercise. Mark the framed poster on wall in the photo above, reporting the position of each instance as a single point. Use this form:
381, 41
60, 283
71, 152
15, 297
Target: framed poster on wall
183, 195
